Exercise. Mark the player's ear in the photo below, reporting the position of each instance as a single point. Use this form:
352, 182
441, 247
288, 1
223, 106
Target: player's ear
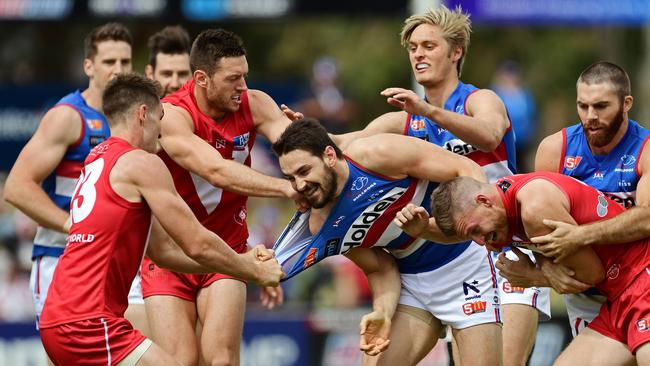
148, 71
627, 103
142, 113
330, 156
484, 200
200, 78
88, 67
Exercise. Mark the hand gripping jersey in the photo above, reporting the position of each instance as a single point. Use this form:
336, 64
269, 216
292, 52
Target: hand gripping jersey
622, 263
495, 164
362, 217
105, 246
59, 186
220, 211
615, 174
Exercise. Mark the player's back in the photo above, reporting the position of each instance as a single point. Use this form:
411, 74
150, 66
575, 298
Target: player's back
105, 245
622, 262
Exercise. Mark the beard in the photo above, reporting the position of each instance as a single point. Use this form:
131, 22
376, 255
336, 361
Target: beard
606, 135
328, 187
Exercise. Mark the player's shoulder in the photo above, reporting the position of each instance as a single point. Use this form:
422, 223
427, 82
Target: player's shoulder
553, 142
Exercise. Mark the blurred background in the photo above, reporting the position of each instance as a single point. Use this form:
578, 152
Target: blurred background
328, 59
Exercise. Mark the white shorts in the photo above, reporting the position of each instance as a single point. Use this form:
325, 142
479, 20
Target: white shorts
537, 297
582, 309
39, 281
135, 293
461, 294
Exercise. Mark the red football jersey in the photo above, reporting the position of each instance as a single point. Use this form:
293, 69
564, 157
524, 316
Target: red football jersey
105, 246
622, 262
220, 211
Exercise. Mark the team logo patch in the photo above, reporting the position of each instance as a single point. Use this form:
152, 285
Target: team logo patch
602, 208
627, 160
311, 257
509, 289
643, 325
571, 162
504, 184
613, 271
417, 123
240, 217
470, 308
219, 143
94, 124
359, 183
240, 142
470, 286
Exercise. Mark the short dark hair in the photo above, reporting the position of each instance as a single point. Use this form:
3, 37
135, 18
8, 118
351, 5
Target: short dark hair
171, 40
127, 90
306, 134
607, 72
211, 45
106, 32
453, 198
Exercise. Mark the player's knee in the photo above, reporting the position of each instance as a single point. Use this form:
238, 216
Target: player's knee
225, 356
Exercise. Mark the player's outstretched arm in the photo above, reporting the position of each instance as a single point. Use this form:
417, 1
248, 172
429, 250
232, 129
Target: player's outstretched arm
59, 129
197, 156
484, 125
163, 251
384, 280
154, 182
392, 122
534, 205
395, 155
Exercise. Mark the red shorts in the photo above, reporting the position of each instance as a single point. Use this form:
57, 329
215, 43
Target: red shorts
160, 281
97, 341
627, 319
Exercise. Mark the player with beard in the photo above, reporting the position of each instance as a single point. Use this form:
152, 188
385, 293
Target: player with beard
207, 133
354, 199
607, 151
169, 60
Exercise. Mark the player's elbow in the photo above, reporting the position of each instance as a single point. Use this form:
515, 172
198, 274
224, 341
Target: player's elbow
596, 276
11, 193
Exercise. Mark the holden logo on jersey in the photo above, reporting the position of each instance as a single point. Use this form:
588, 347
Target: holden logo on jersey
417, 123
571, 162
459, 147
470, 308
360, 227
509, 289
643, 324
602, 208
359, 183
240, 142
613, 271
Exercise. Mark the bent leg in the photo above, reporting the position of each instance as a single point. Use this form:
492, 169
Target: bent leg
594, 349
413, 334
154, 356
484, 340
172, 323
519, 331
221, 311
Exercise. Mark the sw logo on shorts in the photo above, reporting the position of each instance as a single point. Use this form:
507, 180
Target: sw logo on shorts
474, 307
643, 325
509, 289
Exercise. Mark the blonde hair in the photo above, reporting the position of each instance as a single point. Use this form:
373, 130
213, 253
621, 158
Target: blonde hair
455, 26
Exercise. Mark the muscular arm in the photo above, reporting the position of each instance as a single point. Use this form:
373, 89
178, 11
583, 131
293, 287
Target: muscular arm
59, 128
484, 125
197, 156
535, 205
167, 254
150, 177
392, 122
383, 277
269, 119
549, 153
400, 156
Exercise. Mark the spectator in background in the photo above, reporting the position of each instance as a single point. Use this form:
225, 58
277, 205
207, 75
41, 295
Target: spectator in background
519, 101
325, 100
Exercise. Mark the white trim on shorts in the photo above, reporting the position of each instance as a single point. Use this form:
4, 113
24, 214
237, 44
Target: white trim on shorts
40, 279
135, 293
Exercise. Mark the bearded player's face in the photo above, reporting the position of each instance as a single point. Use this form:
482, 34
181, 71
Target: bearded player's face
601, 112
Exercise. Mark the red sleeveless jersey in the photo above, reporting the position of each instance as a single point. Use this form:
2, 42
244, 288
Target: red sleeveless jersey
622, 262
105, 246
220, 211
